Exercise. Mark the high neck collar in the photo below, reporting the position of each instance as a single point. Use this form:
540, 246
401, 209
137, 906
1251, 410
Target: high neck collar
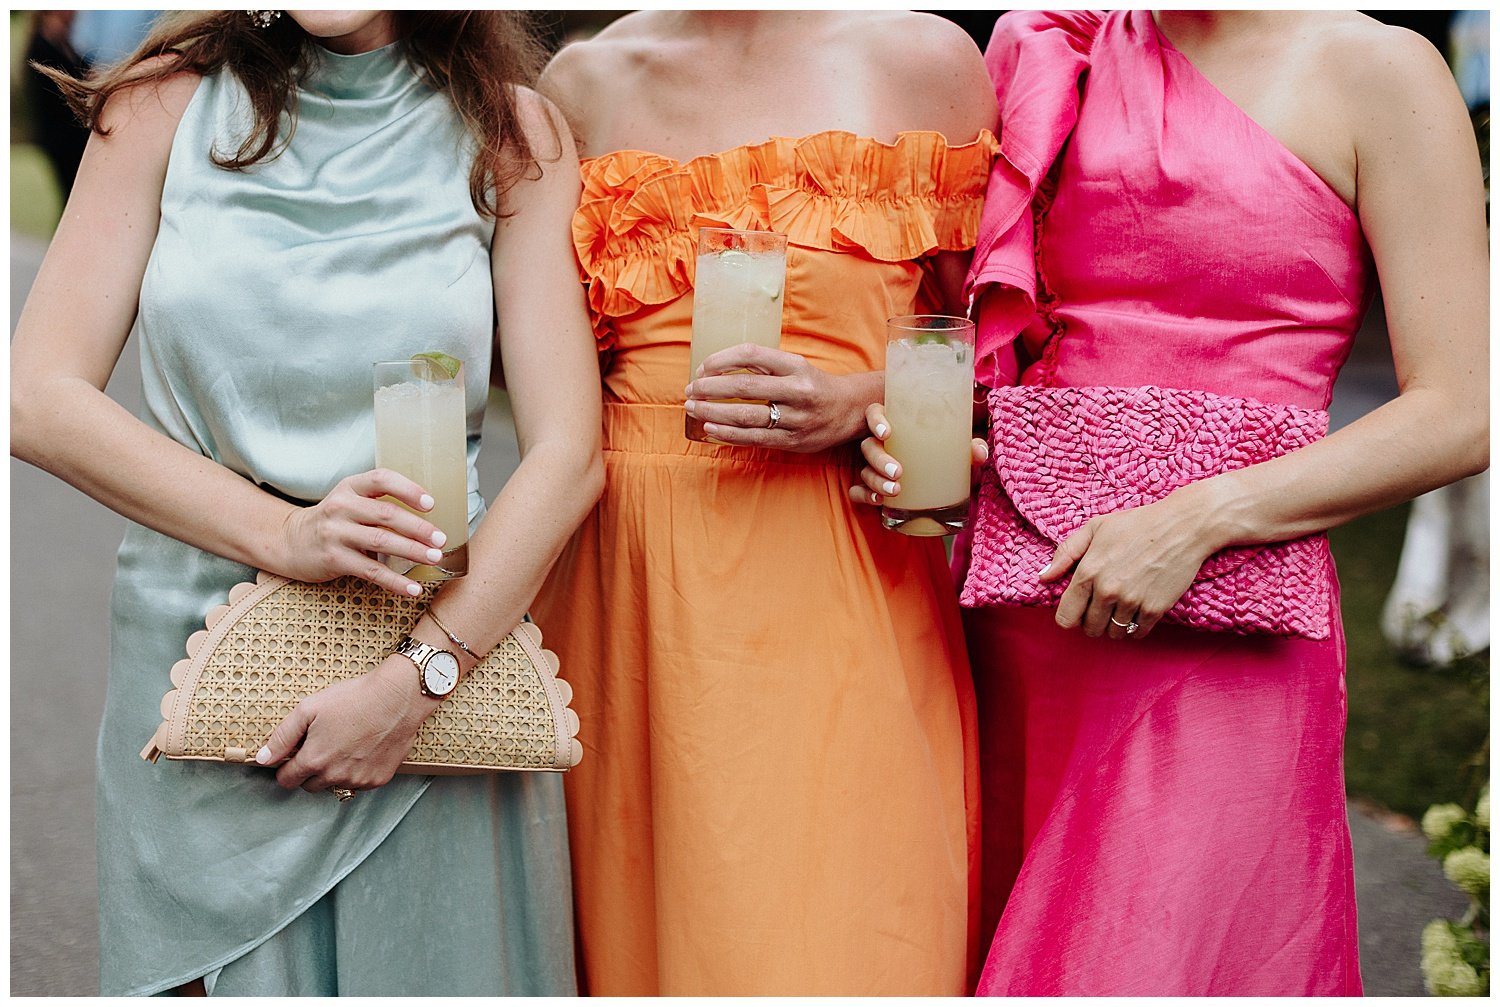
378, 73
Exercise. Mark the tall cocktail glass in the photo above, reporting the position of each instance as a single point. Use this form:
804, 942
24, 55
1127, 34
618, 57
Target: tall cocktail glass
737, 296
421, 431
929, 403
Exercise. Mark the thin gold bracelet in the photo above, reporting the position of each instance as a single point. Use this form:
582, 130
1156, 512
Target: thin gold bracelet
449, 634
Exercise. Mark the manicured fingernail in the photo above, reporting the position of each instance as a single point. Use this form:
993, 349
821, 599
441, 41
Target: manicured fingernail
426, 502
1043, 571
438, 538
881, 430
434, 555
875, 498
414, 589
699, 372
892, 469
263, 756
692, 407
890, 488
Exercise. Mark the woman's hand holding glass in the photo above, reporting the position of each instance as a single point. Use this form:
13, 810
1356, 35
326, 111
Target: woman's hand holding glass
343, 533
881, 477
815, 410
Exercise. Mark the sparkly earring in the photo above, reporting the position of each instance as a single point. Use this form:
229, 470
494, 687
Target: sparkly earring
263, 18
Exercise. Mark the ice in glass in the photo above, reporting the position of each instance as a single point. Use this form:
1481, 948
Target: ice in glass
737, 296
929, 396
421, 431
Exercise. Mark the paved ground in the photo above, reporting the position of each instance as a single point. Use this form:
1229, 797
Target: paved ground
62, 558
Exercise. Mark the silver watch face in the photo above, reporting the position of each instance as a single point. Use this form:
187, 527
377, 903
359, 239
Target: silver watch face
440, 673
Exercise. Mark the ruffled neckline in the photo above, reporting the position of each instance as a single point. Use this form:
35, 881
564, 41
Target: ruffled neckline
635, 228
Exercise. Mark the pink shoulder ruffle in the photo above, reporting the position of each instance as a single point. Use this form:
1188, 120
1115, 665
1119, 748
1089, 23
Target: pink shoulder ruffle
1037, 60
635, 228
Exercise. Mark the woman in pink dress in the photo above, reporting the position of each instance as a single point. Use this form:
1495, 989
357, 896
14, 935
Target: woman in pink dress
1202, 201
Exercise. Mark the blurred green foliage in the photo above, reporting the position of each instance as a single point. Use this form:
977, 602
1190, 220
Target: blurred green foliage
1417, 736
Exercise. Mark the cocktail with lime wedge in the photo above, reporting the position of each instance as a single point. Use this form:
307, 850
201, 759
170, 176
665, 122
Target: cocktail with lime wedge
737, 296
421, 431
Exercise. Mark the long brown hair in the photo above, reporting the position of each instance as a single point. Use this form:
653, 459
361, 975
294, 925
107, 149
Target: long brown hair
477, 58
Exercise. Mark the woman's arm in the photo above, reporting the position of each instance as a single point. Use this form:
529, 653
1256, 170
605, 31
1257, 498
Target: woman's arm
358, 732
70, 335
1421, 202
552, 371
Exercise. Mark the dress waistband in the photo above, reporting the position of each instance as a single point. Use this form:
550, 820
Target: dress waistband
637, 428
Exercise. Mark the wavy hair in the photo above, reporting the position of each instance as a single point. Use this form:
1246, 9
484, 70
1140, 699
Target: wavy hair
477, 58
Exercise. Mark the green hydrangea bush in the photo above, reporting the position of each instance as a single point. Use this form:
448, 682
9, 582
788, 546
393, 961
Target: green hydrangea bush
1456, 955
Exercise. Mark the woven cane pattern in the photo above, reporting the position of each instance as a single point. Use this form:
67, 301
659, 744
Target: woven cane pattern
1065, 455
279, 641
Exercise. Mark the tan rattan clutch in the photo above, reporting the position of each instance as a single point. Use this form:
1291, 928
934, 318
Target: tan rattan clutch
279, 640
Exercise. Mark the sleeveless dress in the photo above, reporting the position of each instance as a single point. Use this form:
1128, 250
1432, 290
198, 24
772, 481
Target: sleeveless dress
778, 795
267, 296
1166, 815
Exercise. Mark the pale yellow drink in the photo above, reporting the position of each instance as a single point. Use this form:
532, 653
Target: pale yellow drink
737, 296
929, 386
421, 432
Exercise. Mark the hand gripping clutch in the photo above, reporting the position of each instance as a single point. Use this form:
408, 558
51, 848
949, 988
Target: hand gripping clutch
278, 641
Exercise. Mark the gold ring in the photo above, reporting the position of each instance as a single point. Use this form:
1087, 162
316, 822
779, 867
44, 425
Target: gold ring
342, 793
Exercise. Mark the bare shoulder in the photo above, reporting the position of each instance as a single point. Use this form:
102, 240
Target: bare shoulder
150, 106
934, 70
543, 124
1382, 69
582, 71
578, 66
913, 40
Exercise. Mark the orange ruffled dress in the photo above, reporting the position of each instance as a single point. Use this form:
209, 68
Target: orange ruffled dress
778, 794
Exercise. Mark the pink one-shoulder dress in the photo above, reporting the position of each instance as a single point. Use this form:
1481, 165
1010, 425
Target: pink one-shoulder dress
1162, 816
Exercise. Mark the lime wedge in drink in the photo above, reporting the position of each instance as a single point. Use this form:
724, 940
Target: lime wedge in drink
435, 365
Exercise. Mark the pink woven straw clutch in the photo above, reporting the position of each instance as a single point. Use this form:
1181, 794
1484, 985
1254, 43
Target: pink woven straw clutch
277, 641
1064, 455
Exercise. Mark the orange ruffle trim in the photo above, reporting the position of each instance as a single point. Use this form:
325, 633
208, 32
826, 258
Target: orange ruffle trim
635, 231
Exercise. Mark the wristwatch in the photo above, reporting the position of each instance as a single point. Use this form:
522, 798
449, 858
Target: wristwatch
437, 670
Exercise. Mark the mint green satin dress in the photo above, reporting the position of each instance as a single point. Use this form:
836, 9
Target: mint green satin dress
268, 295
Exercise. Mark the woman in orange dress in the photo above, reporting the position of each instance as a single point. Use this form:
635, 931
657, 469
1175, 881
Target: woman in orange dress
779, 790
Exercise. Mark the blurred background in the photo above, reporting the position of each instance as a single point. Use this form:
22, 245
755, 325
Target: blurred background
1415, 580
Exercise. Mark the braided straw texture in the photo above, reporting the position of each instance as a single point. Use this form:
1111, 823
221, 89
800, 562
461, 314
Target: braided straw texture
278, 641
1065, 455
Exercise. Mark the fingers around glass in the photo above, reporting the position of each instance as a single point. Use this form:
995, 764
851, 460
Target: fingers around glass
878, 460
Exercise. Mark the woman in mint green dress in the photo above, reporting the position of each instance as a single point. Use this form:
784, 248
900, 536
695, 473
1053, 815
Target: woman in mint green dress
276, 203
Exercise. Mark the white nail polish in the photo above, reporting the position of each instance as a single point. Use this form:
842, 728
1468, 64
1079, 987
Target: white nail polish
426, 502
890, 488
890, 470
414, 589
263, 756
881, 430
1043, 570
434, 555
438, 538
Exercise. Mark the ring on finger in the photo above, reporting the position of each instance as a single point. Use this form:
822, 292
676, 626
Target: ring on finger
775, 416
342, 793
1129, 627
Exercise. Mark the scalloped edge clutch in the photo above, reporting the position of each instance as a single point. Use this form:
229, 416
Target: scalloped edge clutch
278, 640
